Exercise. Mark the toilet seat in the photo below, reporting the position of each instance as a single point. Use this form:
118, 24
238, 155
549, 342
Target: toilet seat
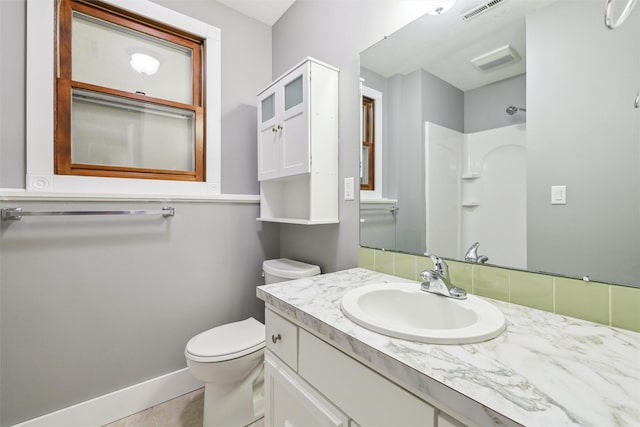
226, 342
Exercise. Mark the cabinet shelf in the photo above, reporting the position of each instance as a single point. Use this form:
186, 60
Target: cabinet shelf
299, 221
470, 176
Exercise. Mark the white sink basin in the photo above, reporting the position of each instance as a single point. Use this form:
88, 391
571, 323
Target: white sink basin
402, 310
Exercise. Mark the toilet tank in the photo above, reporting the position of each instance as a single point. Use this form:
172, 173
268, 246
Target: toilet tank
279, 270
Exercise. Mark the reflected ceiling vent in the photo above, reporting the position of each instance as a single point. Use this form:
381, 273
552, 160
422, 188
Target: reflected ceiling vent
479, 10
499, 57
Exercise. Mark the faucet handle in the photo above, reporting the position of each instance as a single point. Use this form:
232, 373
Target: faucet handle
440, 266
428, 275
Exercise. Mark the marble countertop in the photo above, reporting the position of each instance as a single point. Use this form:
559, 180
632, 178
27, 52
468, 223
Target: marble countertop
544, 370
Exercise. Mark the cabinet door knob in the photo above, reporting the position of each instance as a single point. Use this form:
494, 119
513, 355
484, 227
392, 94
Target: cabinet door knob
275, 338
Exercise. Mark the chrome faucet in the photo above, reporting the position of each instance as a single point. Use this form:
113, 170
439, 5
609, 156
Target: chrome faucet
437, 280
472, 255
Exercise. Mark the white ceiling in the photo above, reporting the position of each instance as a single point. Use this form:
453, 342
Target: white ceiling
266, 11
444, 45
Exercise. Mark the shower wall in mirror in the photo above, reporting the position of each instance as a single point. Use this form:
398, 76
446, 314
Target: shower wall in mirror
515, 128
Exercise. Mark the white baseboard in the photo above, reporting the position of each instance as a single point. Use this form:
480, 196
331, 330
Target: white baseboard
121, 403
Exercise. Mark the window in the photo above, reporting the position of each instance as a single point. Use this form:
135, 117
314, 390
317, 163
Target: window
128, 96
367, 173
41, 86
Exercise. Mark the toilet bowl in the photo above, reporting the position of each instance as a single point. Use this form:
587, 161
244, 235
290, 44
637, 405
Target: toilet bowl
229, 359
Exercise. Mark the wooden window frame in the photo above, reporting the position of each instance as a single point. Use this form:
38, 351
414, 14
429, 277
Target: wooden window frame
368, 140
64, 86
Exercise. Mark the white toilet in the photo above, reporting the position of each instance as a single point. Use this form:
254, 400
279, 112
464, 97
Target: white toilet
229, 358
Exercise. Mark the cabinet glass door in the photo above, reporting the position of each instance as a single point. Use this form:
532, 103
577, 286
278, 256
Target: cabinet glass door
268, 137
294, 138
293, 93
268, 108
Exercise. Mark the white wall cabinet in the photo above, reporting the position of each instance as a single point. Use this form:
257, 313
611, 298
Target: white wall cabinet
326, 387
283, 141
298, 146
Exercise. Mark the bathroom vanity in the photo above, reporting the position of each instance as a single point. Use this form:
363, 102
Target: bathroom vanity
545, 369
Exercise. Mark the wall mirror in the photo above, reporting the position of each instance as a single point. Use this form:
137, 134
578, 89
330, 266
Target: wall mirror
514, 124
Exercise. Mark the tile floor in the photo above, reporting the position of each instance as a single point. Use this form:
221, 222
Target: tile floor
183, 411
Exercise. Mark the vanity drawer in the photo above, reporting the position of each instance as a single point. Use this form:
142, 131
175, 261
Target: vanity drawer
366, 396
282, 338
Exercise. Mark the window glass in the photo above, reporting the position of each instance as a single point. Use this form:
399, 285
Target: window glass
293, 93
108, 55
268, 108
113, 131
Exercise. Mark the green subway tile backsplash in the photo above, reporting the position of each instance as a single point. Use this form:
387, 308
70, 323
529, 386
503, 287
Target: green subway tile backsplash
384, 262
366, 258
583, 300
531, 290
405, 266
625, 308
461, 274
491, 282
613, 305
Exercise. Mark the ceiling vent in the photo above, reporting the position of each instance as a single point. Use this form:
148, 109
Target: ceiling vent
479, 10
496, 58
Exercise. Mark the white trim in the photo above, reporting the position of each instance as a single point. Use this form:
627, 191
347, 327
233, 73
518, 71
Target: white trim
377, 119
381, 201
121, 403
40, 120
10, 194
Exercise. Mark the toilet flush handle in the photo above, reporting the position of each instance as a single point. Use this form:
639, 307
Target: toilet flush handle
275, 338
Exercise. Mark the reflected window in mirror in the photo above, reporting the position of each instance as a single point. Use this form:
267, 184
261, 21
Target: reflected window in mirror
371, 142
367, 165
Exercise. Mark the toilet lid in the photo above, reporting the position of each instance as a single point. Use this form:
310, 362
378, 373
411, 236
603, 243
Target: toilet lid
228, 341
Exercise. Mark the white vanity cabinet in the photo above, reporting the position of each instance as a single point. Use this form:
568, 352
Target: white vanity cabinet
291, 402
319, 385
298, 146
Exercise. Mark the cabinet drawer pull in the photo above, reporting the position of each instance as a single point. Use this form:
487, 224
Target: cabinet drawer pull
275, 338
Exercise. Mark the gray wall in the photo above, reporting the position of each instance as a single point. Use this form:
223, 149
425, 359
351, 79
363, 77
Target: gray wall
334, 32
92, 305
405, 138
12, 87
585, 136
485, 107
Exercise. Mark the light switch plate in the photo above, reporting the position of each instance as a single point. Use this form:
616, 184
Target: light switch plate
349, 188
558, 194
